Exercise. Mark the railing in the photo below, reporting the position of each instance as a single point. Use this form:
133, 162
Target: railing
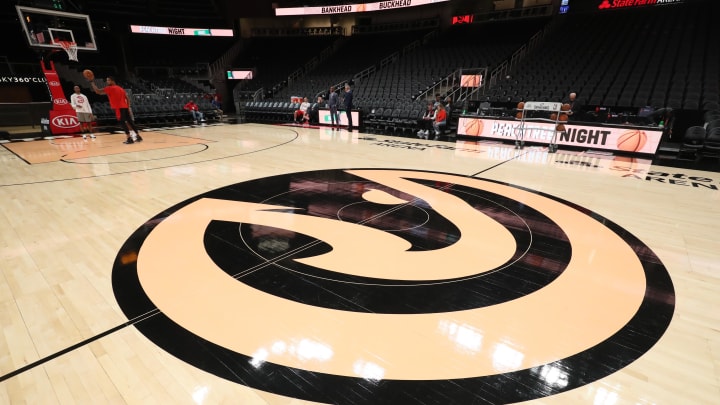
504, 68
259, 94
451, 86
514, 13
429, 23
364, 73
295, 76
297, 32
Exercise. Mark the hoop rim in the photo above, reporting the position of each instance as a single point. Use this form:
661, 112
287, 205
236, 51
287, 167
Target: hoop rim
69, 47
65, 44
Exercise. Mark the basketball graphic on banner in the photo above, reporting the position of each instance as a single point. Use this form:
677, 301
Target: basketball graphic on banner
473, 127
632, 140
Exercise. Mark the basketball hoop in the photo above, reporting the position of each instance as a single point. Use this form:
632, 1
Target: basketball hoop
70, 48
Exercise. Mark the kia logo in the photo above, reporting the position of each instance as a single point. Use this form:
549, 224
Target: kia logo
65, 121
54, 83
60, 101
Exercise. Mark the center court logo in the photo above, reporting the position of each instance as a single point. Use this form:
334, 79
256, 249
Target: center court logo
384, 286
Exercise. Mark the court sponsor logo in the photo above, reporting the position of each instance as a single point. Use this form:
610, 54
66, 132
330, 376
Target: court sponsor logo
204, 279
60, 101
384, 5
336, 9
22, 79
65, 121
416, 145
675, 179
611, 4
625, 166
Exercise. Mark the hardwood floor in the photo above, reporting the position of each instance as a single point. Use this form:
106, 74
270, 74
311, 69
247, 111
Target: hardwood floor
261, 264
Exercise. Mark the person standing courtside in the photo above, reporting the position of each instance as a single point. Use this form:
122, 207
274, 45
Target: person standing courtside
81, 104
575, 106
120, 103
348, 105
333, 106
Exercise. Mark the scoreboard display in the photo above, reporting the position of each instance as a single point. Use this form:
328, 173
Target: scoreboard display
240, 74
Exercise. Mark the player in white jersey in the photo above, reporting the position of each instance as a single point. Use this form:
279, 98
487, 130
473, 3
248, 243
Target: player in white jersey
81, 104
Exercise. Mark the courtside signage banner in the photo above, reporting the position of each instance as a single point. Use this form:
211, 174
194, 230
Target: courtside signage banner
325, 119
196, 32
615, 4
355, 8
635, 140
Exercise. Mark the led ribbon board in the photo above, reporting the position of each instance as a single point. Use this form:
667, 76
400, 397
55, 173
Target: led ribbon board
355, 8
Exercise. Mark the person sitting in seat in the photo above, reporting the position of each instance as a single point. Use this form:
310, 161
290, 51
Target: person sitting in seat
216, 103
448, 106
313, 112
426, 122
195, 111
440, 122
300, 115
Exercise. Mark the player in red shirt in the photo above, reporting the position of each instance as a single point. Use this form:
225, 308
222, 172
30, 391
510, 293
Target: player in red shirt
440, 119
120, 103
195, 111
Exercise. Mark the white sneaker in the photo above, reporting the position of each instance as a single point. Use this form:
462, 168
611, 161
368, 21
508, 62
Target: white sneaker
84, 136
92, 136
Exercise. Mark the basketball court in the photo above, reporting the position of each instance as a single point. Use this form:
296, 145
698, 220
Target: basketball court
267, 264
275, 264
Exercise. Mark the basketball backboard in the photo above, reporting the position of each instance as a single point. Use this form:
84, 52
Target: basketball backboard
44, 28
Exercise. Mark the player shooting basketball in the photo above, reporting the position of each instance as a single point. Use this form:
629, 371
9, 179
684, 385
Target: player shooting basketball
119, 102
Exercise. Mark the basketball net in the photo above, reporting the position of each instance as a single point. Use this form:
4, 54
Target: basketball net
70, 48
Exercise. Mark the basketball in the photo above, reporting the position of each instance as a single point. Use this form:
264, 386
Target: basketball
632, 140
560, 127
88, 74
473, 127
563, 117
553, 116
565, 107
519, 115
521, 105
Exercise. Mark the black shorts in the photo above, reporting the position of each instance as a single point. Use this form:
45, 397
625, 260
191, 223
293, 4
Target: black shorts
123, 115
